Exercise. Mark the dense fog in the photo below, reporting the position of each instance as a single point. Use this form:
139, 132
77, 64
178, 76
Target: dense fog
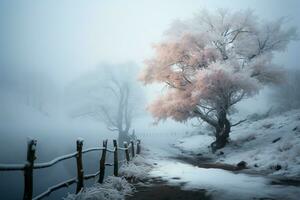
58, 60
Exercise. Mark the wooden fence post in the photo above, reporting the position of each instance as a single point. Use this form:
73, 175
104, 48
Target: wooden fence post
126, 151
138, 147
28, 171
102, 162
132, 147
80, 175
116, 164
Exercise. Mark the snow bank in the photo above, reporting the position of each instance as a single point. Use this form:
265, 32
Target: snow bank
113, 188
271, 145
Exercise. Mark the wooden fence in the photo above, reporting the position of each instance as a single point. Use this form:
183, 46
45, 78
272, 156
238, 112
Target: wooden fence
30, 166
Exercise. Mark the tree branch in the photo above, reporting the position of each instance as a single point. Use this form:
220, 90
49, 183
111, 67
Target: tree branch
239, 122
205, 117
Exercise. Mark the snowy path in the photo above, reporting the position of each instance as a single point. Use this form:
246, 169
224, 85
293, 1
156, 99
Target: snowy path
219, 184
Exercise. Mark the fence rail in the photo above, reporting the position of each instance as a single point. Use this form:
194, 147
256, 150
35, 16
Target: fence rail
30, 166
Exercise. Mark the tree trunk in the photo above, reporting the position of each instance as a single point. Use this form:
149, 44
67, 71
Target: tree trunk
222, 133
123, 137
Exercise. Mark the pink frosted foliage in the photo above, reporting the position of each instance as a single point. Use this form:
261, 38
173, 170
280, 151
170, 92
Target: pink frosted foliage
213, 61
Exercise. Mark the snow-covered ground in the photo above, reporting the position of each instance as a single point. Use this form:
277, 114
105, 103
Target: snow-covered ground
255, 142
221, 184
270, 145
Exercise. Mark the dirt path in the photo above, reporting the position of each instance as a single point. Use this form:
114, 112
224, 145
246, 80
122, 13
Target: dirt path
159, 190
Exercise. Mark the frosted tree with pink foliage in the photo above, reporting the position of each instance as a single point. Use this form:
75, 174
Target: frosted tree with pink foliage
213, 61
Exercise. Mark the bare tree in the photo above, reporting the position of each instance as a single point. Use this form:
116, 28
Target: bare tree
112, 96
119, 116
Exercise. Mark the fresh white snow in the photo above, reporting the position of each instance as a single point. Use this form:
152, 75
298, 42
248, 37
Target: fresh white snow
221, 184
113, 188
255, 143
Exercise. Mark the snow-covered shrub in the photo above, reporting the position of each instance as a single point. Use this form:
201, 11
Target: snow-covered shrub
118, 183
137, 168
113, 188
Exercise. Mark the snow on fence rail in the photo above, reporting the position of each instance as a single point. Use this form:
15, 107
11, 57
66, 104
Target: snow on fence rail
29, 166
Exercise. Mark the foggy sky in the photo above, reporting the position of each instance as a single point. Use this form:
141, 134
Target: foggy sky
65, 38
44, 45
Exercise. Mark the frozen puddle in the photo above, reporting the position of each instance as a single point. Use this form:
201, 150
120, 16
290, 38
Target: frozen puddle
222, 184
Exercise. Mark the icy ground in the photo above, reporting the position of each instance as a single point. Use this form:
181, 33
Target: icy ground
255, 142
270, 145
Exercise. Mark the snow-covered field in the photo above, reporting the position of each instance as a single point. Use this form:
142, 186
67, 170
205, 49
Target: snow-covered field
270, 145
